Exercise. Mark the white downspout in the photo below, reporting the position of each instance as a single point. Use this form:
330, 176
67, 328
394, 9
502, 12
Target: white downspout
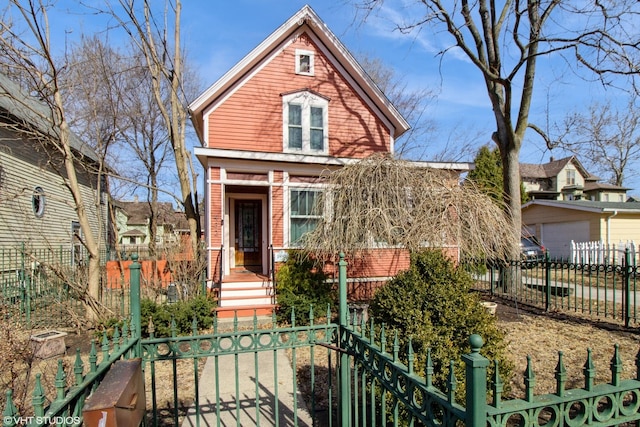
609, 226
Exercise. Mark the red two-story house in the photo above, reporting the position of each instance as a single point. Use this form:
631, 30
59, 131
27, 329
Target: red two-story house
295, 106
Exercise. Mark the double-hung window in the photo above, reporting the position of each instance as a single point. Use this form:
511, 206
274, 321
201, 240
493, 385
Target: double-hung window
305, 212
571, 177
305, 127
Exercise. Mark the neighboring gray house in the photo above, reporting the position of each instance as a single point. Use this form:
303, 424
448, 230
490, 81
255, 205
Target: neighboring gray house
567, 179
36, 207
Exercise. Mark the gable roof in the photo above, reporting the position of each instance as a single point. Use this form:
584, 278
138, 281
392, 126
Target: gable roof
305, 20
553, 168
139, 212
587, 205
26, 111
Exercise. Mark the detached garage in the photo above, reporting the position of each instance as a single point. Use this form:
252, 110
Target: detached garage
556, 223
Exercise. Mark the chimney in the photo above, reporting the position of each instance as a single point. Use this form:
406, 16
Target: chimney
551, 159
135, 198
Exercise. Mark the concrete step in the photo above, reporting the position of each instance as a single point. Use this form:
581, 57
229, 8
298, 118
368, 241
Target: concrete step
254, 284
246, 292
245, 311
253, 301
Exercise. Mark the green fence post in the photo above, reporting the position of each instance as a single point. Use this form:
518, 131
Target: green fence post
547, 281
627, 287
476, 384
345, 398
134, 301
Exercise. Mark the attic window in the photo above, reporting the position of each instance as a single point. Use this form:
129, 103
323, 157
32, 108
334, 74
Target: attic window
304, 62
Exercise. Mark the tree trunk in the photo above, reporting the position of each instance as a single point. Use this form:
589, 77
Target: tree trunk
89, 241
511, 180
93, 288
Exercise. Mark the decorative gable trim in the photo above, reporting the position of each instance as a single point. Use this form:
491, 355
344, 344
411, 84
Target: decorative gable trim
306, 89
305, 21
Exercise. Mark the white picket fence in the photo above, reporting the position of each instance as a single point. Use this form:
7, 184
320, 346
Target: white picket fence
602, 253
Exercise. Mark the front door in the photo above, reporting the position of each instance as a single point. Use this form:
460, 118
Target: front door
248, 234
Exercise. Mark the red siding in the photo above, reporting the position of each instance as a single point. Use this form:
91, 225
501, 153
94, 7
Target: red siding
378, 263
215, 265
251, 118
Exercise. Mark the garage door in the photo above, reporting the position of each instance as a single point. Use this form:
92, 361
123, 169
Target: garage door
557, 237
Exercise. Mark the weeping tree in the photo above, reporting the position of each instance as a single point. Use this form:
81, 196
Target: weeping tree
385, 201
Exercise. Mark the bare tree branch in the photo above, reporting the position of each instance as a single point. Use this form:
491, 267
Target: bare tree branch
384, 202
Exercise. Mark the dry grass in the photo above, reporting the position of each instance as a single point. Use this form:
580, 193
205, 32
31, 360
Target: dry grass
542, 336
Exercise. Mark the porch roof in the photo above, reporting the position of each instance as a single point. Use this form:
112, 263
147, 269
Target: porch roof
204, 154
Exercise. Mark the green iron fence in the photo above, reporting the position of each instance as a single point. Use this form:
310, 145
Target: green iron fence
65, 408
601, 290
36, 286
369, 382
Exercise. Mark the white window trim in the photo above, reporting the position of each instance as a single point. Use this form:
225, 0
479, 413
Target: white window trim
300, 53
326, 210
38, 202
307, 100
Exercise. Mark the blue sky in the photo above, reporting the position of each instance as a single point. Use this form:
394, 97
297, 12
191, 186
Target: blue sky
218, 34
221, 33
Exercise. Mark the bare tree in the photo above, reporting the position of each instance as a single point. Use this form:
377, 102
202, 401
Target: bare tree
163, 54
412, 104
606, 139
109, 95
30, 56
504, 41
382, 201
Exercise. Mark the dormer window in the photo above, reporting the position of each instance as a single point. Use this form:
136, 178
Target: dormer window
305, 123
304, 62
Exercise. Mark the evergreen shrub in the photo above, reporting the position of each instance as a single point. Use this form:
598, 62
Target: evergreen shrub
433, 305
301, 284
182, 312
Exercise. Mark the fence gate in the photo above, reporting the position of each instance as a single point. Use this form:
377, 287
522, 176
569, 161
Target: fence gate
244, 374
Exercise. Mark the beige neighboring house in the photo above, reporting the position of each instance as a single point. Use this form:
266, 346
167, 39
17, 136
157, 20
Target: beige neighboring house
557, 222
36, 206
567, 179
133, 219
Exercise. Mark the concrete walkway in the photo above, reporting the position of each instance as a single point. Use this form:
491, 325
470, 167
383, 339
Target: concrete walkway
237, 406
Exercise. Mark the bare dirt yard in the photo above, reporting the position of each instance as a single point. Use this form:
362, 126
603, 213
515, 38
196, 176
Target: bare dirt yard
541, 336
